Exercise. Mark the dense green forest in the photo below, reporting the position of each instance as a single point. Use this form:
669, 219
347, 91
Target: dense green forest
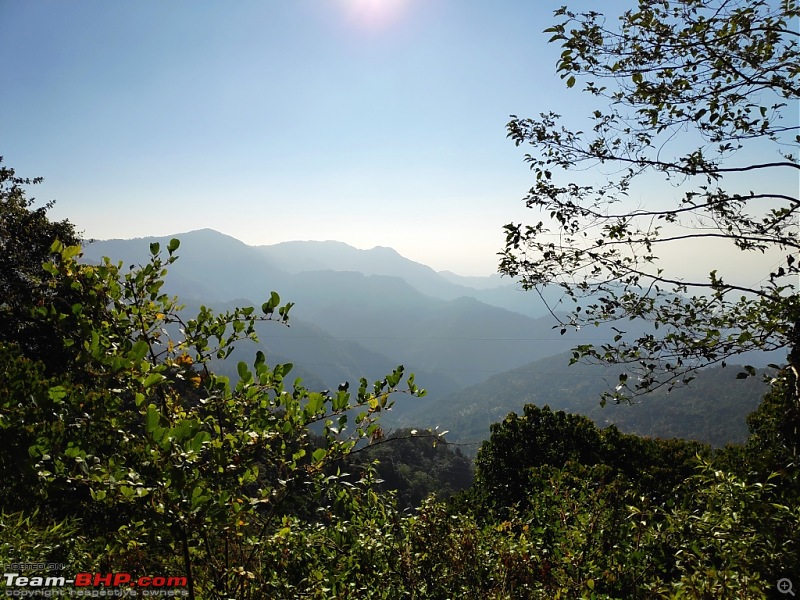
712, 409
142, 437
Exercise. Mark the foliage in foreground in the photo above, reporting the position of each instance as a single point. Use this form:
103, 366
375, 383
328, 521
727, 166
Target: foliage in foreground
138, 443
644, 518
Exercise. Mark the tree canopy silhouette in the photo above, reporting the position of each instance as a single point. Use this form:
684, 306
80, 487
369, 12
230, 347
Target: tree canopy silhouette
692, 95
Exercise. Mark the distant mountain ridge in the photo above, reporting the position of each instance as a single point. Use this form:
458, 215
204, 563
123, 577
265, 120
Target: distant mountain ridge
291, 258
212, 266
385, 311
297, 257
478, 283
480, 351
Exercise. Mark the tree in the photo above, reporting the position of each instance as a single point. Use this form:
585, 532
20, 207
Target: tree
521, 445
774, 438
699, 104
26, 235
415, 464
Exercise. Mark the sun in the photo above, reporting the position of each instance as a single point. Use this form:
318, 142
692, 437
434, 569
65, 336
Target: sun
373, 14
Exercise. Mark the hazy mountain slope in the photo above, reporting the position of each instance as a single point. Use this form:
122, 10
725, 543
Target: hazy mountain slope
475, 282
323, 362
463, 338
712, 409
348, 324
212, 266
299, 256
335, 361
506, 293
462, 341
513, 298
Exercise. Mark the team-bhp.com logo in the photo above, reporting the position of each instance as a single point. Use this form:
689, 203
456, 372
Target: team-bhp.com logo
93, 585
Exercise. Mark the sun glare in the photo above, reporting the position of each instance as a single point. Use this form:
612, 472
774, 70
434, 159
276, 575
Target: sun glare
373, 14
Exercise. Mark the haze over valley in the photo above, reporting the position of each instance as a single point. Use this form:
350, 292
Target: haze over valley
480, 346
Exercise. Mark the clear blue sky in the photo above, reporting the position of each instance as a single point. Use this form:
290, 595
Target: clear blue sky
373, 122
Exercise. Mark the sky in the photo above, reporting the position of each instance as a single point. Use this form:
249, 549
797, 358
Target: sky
372, 122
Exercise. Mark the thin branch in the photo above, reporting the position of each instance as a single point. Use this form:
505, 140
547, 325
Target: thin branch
786, 242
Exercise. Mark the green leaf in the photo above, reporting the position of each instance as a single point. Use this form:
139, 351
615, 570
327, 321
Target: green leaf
56, 393
283, 311
155, 247
152, 379
139, 350
340, 401
152, 419
70, 252
315, 403
182, 431
198, 497
72, 452
197, 441
319, 454
174, 243
571, 81
242, 369
269, 306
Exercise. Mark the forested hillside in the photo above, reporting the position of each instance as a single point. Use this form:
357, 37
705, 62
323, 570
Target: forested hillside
710, 409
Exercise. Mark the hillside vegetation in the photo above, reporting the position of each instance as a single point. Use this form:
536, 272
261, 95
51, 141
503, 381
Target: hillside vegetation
711, 409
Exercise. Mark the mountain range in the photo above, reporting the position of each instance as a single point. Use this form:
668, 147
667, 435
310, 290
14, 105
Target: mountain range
479, 345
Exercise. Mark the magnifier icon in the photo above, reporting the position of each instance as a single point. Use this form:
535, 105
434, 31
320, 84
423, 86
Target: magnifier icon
785, 586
